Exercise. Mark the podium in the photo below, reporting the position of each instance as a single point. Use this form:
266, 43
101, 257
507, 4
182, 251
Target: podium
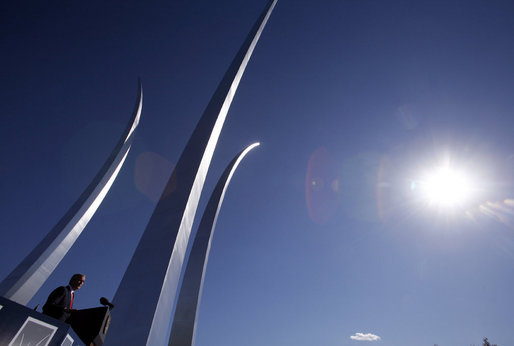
91, 325
20, 325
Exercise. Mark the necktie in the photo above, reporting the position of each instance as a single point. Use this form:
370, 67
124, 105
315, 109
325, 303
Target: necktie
72, 296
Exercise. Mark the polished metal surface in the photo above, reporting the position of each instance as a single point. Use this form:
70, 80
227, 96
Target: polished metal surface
146, 295
26, 279
184, 321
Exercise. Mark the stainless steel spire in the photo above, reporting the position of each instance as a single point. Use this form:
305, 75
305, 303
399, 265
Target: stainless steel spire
145, 298
26, 279
184, 322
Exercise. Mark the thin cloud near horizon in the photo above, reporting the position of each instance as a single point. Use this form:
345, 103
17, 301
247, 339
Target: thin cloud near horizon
365, 337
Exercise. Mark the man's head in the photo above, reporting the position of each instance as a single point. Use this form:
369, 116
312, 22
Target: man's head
76, 281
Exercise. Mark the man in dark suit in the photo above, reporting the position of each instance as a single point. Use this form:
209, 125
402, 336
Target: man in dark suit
60, 302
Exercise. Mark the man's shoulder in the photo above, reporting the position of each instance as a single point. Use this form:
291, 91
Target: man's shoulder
60, 290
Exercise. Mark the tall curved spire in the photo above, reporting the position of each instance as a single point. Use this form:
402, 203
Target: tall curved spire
184, 322
146, 295
28, 277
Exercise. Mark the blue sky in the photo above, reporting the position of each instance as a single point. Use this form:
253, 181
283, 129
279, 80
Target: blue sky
324, 231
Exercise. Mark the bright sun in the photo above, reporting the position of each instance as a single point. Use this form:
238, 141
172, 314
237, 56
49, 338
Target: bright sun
445, 187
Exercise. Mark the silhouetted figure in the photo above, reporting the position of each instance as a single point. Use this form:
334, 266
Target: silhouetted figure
60, 302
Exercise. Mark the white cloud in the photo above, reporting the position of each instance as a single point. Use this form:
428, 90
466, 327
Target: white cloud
365, 337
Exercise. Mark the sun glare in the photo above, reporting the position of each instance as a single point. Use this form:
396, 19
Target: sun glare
445, 187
